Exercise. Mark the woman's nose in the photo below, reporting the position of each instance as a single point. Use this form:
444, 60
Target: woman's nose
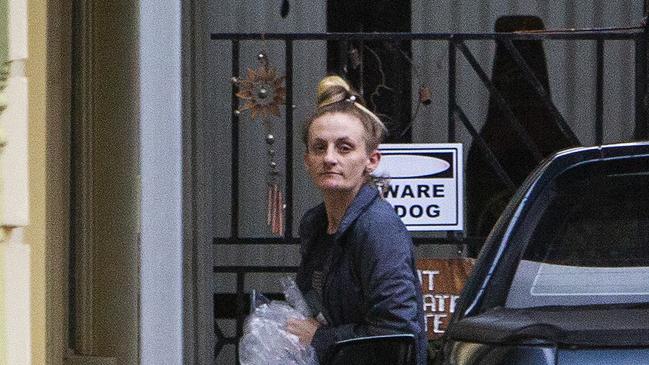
330, 156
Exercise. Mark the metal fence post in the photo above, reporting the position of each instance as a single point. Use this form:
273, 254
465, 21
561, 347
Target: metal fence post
641, 128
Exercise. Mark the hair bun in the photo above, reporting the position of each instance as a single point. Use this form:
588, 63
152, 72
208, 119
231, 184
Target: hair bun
335, 95
331, 82
333, 89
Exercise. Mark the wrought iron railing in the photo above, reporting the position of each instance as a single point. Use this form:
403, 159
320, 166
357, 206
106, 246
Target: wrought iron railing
234, 306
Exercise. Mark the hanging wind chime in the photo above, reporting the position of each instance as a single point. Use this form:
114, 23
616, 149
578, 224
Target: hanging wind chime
262, 92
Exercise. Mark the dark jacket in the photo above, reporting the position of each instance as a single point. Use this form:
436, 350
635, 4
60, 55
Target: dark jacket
369, 281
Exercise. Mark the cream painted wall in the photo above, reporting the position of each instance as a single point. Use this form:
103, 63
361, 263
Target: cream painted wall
14, 267
46, 234
115, 154
35, 232
14, 253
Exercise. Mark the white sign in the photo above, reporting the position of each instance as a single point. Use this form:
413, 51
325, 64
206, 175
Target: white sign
425, 184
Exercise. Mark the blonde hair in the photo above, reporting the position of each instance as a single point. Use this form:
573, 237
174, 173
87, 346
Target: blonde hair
335, 95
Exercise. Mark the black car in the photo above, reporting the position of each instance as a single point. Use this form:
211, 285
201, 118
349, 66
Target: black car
563, 277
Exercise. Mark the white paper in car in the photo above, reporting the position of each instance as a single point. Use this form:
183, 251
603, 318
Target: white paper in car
536, 284
575, 280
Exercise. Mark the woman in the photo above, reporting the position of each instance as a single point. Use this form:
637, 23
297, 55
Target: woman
357, 269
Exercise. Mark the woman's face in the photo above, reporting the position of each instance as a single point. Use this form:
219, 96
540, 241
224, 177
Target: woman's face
337, 159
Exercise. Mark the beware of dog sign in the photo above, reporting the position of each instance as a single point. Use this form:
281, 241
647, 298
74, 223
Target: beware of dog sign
425, 184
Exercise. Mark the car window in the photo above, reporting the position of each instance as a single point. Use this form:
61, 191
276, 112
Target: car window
591, 243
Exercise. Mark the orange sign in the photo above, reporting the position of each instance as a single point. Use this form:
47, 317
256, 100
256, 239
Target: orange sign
442, 281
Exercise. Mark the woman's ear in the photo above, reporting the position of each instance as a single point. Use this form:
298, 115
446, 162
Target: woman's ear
373, 161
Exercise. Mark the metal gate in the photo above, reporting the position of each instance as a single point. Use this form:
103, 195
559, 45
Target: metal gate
235, 305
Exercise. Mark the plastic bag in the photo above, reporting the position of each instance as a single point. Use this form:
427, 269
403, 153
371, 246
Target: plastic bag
265, 339
294, 296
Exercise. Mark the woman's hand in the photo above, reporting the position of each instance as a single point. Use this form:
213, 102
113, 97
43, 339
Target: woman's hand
304, 329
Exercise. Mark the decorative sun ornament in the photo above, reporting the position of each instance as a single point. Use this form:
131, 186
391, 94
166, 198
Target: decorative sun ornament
262, 91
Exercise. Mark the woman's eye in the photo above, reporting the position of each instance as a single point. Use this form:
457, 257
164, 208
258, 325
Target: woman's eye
345, 148
318, 148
